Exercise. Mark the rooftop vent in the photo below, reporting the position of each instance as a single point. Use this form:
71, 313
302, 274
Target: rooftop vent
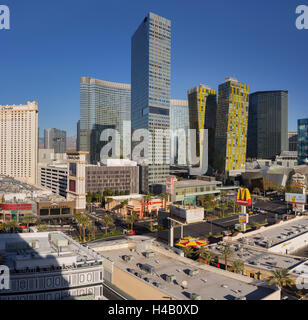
194, 296
193, 272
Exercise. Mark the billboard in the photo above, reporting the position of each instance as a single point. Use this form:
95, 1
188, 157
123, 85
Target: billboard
295, 198
243, 197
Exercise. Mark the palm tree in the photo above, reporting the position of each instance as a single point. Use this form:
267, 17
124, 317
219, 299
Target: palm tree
280, 278
78, 219
107, 220
189, 252
238, 266
223, 207
123, 204
256, 191
146, 199
12, 225
226, 253
85, 222
92, 229
27, 219
207, 255
132, 218
209, 206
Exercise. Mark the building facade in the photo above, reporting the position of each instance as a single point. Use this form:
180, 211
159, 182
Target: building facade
179, 120
267, 124
53, 177
39, 269
202, 115
55, 139
117, 175
302, 125
104, 105
150, 102
231, 126
292, 136
19, 141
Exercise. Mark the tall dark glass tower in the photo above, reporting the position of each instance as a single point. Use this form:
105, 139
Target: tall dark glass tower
267, 124
150, 84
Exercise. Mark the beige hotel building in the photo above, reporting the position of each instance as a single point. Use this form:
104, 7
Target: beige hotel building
19, 141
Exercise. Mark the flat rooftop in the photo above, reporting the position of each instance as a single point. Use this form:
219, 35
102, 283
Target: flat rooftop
43, 250
281, 233
209, 282
259, 258
195, 183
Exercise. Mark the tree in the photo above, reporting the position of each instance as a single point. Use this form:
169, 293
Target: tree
256, 191
223, 207
281, 278
226, 253
207, 255
89, 197
238, 266
164, 197
27, 219
107, 220
92, 230
12, 225
43, 228
123, 204
131, 219
146, 199
78, 220
84, 222
209, 206
189, 252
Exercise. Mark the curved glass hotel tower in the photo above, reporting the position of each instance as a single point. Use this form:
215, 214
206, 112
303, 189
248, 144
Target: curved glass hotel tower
103, 105
150, 80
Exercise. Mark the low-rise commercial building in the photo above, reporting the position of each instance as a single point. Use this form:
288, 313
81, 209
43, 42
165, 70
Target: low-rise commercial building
143, 269
49, 266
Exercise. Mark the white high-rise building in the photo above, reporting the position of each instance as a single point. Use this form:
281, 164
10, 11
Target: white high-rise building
19, 141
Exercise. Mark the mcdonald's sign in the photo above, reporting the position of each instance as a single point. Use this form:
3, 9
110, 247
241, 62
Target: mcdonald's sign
243, 197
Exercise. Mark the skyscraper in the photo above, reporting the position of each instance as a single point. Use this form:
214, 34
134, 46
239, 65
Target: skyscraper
179, 119
231, 126
302, 147
78, 136
292, 136
19, 141
55, 139
267, 124
150, 79
103, 105
202, 115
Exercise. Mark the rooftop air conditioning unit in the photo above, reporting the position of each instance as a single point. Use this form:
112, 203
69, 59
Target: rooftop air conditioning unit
128, 258
149, 254
241, 298
170, 278
193, 272
195, 296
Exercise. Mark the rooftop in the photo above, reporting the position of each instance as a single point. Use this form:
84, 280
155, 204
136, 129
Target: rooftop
194, 183
278, 234
259, 258
208, 282
43, 250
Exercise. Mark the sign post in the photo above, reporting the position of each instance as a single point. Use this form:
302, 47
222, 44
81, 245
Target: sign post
244, 199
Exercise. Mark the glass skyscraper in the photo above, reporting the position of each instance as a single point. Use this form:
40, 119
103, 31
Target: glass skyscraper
267, 124
231, 126
103, 105
202, 115
179, 119
55, 139
302, 141
150, 103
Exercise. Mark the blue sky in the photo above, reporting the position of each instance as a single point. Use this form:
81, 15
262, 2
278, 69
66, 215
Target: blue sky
52, 44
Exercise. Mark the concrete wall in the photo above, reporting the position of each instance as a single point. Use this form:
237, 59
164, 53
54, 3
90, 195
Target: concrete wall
136, 288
